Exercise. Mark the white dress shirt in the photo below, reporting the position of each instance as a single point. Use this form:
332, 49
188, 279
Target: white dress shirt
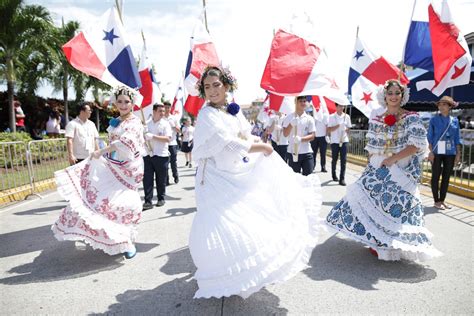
84, 135
159, 128
339, 135
304, 127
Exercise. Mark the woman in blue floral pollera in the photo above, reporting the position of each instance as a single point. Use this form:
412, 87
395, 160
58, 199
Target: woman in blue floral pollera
256, 220
383, 208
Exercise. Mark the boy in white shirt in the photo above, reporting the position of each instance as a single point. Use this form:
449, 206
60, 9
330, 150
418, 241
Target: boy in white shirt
299, 128
173, 145
319, 143
338, 128
156, 162
279, 141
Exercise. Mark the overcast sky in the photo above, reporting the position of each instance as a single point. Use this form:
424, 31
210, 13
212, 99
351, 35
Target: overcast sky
242, 31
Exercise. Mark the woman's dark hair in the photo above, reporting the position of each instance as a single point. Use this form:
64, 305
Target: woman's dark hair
224, 76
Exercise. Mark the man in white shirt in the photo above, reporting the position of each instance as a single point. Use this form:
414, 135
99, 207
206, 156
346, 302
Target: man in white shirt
81, 135
156, 162
319, 143
173, 145
338, 126
299, 128
279, 141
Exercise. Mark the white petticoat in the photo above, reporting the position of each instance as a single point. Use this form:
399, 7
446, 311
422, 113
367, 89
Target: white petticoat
252, 228
104, 205
383, 210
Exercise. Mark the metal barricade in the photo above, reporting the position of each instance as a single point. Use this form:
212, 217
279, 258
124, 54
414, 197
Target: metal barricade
14, 175
44, 158
462, 176
461, 181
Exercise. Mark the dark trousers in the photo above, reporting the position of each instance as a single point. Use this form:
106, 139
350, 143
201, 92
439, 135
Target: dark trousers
173, 149
304, 163
319, 143
155, 167
337, 151
281, 150
442, 165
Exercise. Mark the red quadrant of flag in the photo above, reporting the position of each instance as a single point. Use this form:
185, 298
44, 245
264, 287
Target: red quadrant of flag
381, 70
289, 64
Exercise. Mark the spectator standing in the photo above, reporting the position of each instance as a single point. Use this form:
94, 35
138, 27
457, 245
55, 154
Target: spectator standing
82, 135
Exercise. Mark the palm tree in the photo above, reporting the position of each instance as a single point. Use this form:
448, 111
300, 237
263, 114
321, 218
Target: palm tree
22, 33
65, 74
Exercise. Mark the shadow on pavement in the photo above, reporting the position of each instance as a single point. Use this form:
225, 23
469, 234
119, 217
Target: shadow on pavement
64, 261
25, 241
261, 303
350, 263
428, 210
41, 211
170, 298
173, 212
331, 204
176, 296
171, 198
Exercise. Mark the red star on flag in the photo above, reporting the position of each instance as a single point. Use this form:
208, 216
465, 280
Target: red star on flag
333, 82
458, 71
367, 97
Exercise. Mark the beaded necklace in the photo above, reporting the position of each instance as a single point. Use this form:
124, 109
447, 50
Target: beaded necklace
391, 120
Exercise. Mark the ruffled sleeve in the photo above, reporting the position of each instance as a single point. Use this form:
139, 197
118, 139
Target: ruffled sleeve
212, 136
130, 143
416, 133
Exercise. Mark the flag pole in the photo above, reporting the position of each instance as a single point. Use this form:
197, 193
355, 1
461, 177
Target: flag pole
402, 63
142, 114
345, 108
205, 15
119, 9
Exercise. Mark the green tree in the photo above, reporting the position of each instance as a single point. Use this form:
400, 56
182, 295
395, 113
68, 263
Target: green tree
22, 34
65, 74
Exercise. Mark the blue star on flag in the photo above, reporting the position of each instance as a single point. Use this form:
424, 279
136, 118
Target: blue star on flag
110, 36
359, 54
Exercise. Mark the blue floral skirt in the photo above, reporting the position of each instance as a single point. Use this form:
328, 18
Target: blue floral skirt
383, 210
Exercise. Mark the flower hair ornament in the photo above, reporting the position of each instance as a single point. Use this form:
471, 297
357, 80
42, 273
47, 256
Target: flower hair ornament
123, 90
382, 92
224, 75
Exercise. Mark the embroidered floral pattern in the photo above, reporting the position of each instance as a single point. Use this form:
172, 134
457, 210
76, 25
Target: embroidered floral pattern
103, 193
409, 131
390, 197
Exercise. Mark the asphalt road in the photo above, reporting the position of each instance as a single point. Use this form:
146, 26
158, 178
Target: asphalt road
39, 275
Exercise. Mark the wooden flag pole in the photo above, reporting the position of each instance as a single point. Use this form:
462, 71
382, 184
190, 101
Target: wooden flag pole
142, 114
205, 15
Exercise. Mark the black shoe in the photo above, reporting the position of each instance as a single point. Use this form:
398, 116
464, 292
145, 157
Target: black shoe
176, 180
190, 165
324, 170
160, 203
334, 178
342, 182
187, 163
147, 206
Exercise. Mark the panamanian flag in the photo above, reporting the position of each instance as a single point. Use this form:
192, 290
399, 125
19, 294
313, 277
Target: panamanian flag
102, 51
367, 73
434, 43
202, 53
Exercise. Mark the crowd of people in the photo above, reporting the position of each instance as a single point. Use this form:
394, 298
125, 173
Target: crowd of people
258, 226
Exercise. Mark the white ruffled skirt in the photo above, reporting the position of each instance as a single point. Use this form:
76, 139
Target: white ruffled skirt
252, 228
383, 210
104, 204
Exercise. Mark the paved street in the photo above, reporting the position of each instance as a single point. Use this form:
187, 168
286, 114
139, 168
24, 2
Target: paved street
39, 275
